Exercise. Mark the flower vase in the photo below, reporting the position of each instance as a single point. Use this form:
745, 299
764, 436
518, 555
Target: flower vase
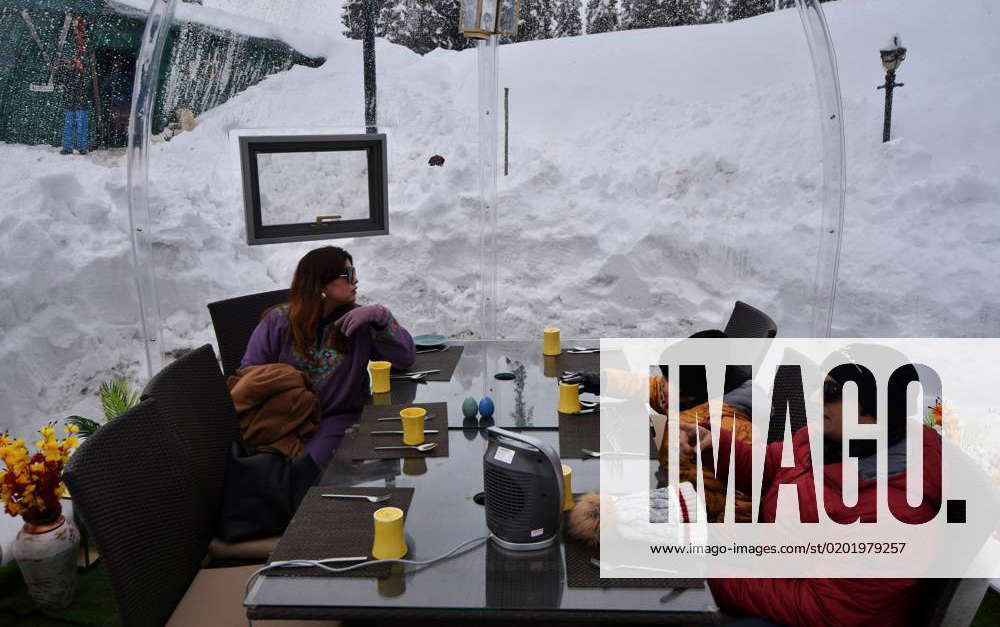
46, 553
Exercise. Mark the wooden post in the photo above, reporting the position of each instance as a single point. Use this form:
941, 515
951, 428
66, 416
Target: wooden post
371, 108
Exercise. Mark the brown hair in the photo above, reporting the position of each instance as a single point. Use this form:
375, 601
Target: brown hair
305, 302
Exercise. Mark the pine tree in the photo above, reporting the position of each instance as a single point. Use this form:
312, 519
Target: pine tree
742, 9
353, 18
535, 20
633, 14
445, 25
566, 19
602, 16
714, 11
682, 12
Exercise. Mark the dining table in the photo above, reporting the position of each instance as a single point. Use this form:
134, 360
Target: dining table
484, 581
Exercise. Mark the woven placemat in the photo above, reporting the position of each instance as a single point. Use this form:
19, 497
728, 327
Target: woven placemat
580, 431
358, 443
590, 362
445, 361
578, 362
370, 414
580, 573
324, 528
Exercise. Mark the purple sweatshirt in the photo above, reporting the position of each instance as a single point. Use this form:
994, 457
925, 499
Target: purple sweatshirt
341, 380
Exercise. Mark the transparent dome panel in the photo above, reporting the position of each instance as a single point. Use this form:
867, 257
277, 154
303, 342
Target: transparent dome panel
68, 311
660, 168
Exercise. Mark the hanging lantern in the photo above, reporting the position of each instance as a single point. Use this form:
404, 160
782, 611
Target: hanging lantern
893, 54
481, 18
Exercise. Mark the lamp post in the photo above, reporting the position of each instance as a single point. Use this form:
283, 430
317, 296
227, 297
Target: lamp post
483, 20
892, 56
368, 59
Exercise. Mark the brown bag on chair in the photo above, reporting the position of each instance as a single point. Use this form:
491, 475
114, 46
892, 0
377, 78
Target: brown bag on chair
277, 406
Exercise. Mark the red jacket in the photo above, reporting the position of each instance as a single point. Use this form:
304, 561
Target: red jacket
835, 602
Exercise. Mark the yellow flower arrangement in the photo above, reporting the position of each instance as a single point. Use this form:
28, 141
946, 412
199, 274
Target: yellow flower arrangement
31, 484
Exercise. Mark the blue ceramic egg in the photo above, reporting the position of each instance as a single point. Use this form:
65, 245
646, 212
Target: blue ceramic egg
469, 407
486, 407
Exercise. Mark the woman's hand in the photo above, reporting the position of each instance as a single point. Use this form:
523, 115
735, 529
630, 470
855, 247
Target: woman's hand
693, 438
360, 316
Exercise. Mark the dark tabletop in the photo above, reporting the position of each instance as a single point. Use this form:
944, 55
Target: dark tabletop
529, 400
483, 582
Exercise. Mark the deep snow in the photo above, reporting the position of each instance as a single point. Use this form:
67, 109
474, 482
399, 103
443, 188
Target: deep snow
656, 176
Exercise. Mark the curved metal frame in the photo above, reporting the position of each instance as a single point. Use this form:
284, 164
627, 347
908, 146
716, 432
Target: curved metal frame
824, 62
154, 40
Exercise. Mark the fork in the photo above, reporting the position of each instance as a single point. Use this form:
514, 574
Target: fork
370, 499
582, 349
440, 349
589, 453
426, 432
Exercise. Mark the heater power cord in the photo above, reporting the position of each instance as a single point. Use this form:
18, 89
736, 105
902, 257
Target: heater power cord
322, 563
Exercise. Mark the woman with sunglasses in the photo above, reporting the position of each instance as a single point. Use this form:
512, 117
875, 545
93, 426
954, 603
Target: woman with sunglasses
322, 331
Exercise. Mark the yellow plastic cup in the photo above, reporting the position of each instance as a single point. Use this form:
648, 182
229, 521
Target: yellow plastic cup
550, 366
550, 341
413, 425
414, 466
568, 502
380, 376
569, 398
389, 542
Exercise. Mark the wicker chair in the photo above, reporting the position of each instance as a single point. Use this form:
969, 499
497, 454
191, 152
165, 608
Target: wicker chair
234, 321
192, 396
141, 504
950, 602
130, 487
787, 389
750, 322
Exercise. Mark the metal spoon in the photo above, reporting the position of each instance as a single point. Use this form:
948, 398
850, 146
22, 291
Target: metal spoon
426, 432
423, 448
370, 499
597, 564
582, 349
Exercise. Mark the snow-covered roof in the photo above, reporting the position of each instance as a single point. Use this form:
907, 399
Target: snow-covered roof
305, 42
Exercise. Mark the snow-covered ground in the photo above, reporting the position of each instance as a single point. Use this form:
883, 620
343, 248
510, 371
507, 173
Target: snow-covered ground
656, 176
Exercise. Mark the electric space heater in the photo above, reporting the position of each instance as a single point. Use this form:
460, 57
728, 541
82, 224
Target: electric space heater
524, 490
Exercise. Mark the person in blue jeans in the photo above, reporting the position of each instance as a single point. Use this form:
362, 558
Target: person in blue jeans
77, 94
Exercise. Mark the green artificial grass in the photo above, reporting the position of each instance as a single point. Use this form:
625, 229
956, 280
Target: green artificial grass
93, 605
989, 611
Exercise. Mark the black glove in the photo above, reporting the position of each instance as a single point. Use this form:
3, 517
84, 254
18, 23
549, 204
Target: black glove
589, 381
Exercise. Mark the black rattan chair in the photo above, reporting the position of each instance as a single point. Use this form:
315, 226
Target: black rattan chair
131, 486
192, 396
234, 321
750, 322
951, 602
787, 389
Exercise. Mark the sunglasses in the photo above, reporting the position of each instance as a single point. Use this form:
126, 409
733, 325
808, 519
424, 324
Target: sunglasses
832, 390
351, 274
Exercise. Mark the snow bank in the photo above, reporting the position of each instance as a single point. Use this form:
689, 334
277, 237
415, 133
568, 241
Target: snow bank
656, 176
301, 37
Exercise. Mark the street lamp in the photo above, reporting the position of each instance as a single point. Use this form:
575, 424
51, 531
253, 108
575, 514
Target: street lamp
892, 56
481, 18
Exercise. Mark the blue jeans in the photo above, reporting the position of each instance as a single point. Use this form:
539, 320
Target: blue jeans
77, 122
